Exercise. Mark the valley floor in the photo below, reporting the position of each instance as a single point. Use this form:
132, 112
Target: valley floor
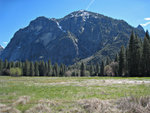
74, 94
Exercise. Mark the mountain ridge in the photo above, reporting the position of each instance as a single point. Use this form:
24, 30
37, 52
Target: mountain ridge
79, 35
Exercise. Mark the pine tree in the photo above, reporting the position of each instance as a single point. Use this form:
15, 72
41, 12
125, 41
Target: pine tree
117, 58
32, 70
97, 69
12, 64
122, 63
82, 69
146, 57
137, 56
131, 57
5, 64
36, 65
20, 64
102, 68
91, 69
56, 70
62, 70
42, 68
50, 68
46, 69
17, 64
147, 35
1, 66
9, 65
127, 59
108, 61
26, 70
134, 55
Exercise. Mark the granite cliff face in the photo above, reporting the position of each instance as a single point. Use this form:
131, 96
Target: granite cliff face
1, 49
79, 35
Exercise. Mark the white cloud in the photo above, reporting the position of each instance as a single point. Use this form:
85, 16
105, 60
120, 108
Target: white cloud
89, 5
5, 43
145, 24
146, 18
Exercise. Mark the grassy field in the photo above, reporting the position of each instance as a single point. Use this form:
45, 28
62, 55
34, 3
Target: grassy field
64, 94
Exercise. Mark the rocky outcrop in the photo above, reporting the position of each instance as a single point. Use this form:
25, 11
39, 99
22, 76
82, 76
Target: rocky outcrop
1, 49
77, 36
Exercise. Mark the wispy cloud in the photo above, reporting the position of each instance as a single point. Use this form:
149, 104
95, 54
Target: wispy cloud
147, 23
89, 5
146, 18
5, 43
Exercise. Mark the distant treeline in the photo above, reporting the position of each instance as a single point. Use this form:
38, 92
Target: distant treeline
134, 60
28, 68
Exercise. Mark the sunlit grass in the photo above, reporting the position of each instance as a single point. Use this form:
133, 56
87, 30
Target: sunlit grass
12, 88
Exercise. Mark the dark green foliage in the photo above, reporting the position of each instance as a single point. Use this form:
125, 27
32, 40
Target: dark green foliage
26, 70
137, 57
97, 72
91, 70
82, 70
29, 68
102, 68
122, 61
108, 61
146, 57
5, 64
50, 68
117, 58
36, 66
56, 70
42, 68
62, 69
32, 69
134, 55
1, 66
147, 35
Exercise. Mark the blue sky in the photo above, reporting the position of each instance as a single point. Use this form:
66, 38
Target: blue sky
16, 14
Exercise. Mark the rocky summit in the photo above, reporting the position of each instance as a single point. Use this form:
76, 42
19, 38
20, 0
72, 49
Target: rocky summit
81, 35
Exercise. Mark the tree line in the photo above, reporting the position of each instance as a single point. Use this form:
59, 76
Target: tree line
29, 68
133, 60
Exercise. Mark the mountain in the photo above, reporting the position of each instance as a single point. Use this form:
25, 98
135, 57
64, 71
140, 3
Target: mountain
79, 35
140, 28
1, 49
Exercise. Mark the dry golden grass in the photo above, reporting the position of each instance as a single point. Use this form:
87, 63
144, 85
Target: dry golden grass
124, 105
134, 104
98, 106
8, 109
40, 108
22, 100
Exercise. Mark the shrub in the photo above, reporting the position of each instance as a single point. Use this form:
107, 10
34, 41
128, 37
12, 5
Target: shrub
15, 71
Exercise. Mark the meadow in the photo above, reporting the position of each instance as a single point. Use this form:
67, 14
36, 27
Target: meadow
71, 94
